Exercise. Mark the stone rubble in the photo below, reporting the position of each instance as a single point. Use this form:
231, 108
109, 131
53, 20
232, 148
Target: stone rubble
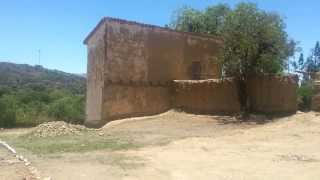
58, 128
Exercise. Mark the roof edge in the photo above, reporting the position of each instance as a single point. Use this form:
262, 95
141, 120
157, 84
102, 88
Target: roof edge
123, 21
93, 31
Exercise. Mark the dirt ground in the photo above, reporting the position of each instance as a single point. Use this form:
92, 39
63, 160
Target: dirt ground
11, 168
183, 146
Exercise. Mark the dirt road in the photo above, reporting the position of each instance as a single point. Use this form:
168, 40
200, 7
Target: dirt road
182, 146
11, 168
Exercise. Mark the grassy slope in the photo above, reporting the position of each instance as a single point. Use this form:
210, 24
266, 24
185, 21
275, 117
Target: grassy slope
22, 75
87, 141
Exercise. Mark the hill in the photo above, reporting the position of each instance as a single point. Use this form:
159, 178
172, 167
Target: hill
31, 95
23, 75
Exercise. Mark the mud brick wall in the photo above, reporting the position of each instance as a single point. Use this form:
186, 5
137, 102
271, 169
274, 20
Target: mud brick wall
207, 96
95, 75
273, 94
121, 101
146, 53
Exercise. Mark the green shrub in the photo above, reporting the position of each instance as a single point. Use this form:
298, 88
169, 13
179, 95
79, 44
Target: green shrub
305, 96
31, 106
32, 114
8, 109
69, 109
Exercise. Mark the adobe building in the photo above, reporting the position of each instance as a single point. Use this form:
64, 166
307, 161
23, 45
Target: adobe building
137, 69
131, 65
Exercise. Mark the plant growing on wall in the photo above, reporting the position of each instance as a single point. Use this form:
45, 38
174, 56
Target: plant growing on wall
255, 41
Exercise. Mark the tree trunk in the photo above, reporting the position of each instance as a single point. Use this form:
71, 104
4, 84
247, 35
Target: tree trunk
243, 97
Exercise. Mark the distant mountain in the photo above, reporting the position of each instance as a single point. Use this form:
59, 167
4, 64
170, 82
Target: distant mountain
23, 75
82, 75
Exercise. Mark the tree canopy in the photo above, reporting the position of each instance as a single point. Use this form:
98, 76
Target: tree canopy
209, 21
255, 41
312, 63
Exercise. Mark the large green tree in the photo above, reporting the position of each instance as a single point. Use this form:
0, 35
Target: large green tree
255, 41
209, 21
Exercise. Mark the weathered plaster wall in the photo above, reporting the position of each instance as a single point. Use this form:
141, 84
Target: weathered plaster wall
95, 76
141, 61
121, 101
142, 53
273, 94
206, 96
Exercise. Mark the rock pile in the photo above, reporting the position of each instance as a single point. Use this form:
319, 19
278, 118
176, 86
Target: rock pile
57, 128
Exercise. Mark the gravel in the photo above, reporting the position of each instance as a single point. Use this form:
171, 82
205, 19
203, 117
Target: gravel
58, 128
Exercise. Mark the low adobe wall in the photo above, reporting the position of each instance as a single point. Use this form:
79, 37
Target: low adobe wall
273, 94
315, 102
206, 96
267, 94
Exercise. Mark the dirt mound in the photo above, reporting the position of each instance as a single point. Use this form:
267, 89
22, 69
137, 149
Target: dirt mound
57, 128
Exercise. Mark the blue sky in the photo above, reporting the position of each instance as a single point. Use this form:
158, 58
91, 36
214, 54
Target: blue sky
58, 27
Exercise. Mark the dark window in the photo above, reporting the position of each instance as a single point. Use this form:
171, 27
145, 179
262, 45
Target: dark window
196, 70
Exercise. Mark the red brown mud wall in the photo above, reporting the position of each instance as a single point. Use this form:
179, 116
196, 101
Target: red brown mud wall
206, 96
269, 94
122, 101
273, 94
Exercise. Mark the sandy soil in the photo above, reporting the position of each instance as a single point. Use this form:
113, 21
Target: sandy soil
182, 146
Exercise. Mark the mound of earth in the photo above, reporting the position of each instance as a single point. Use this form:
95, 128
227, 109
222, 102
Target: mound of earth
57, 128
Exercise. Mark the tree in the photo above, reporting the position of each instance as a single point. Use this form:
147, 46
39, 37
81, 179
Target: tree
312, 64
301, 67
214, 17
255, 42
210, 21
295, 65
69, 109
301, 62
8, 108
188, 19
316, 54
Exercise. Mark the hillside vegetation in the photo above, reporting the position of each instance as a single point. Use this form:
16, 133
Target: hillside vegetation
30, 95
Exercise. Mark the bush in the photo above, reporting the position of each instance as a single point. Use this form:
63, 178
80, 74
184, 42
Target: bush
305, 96
69, 109
31, 106
32, 114
8, 111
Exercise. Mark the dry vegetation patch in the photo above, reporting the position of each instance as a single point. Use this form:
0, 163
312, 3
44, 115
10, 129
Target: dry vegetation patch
60, 137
